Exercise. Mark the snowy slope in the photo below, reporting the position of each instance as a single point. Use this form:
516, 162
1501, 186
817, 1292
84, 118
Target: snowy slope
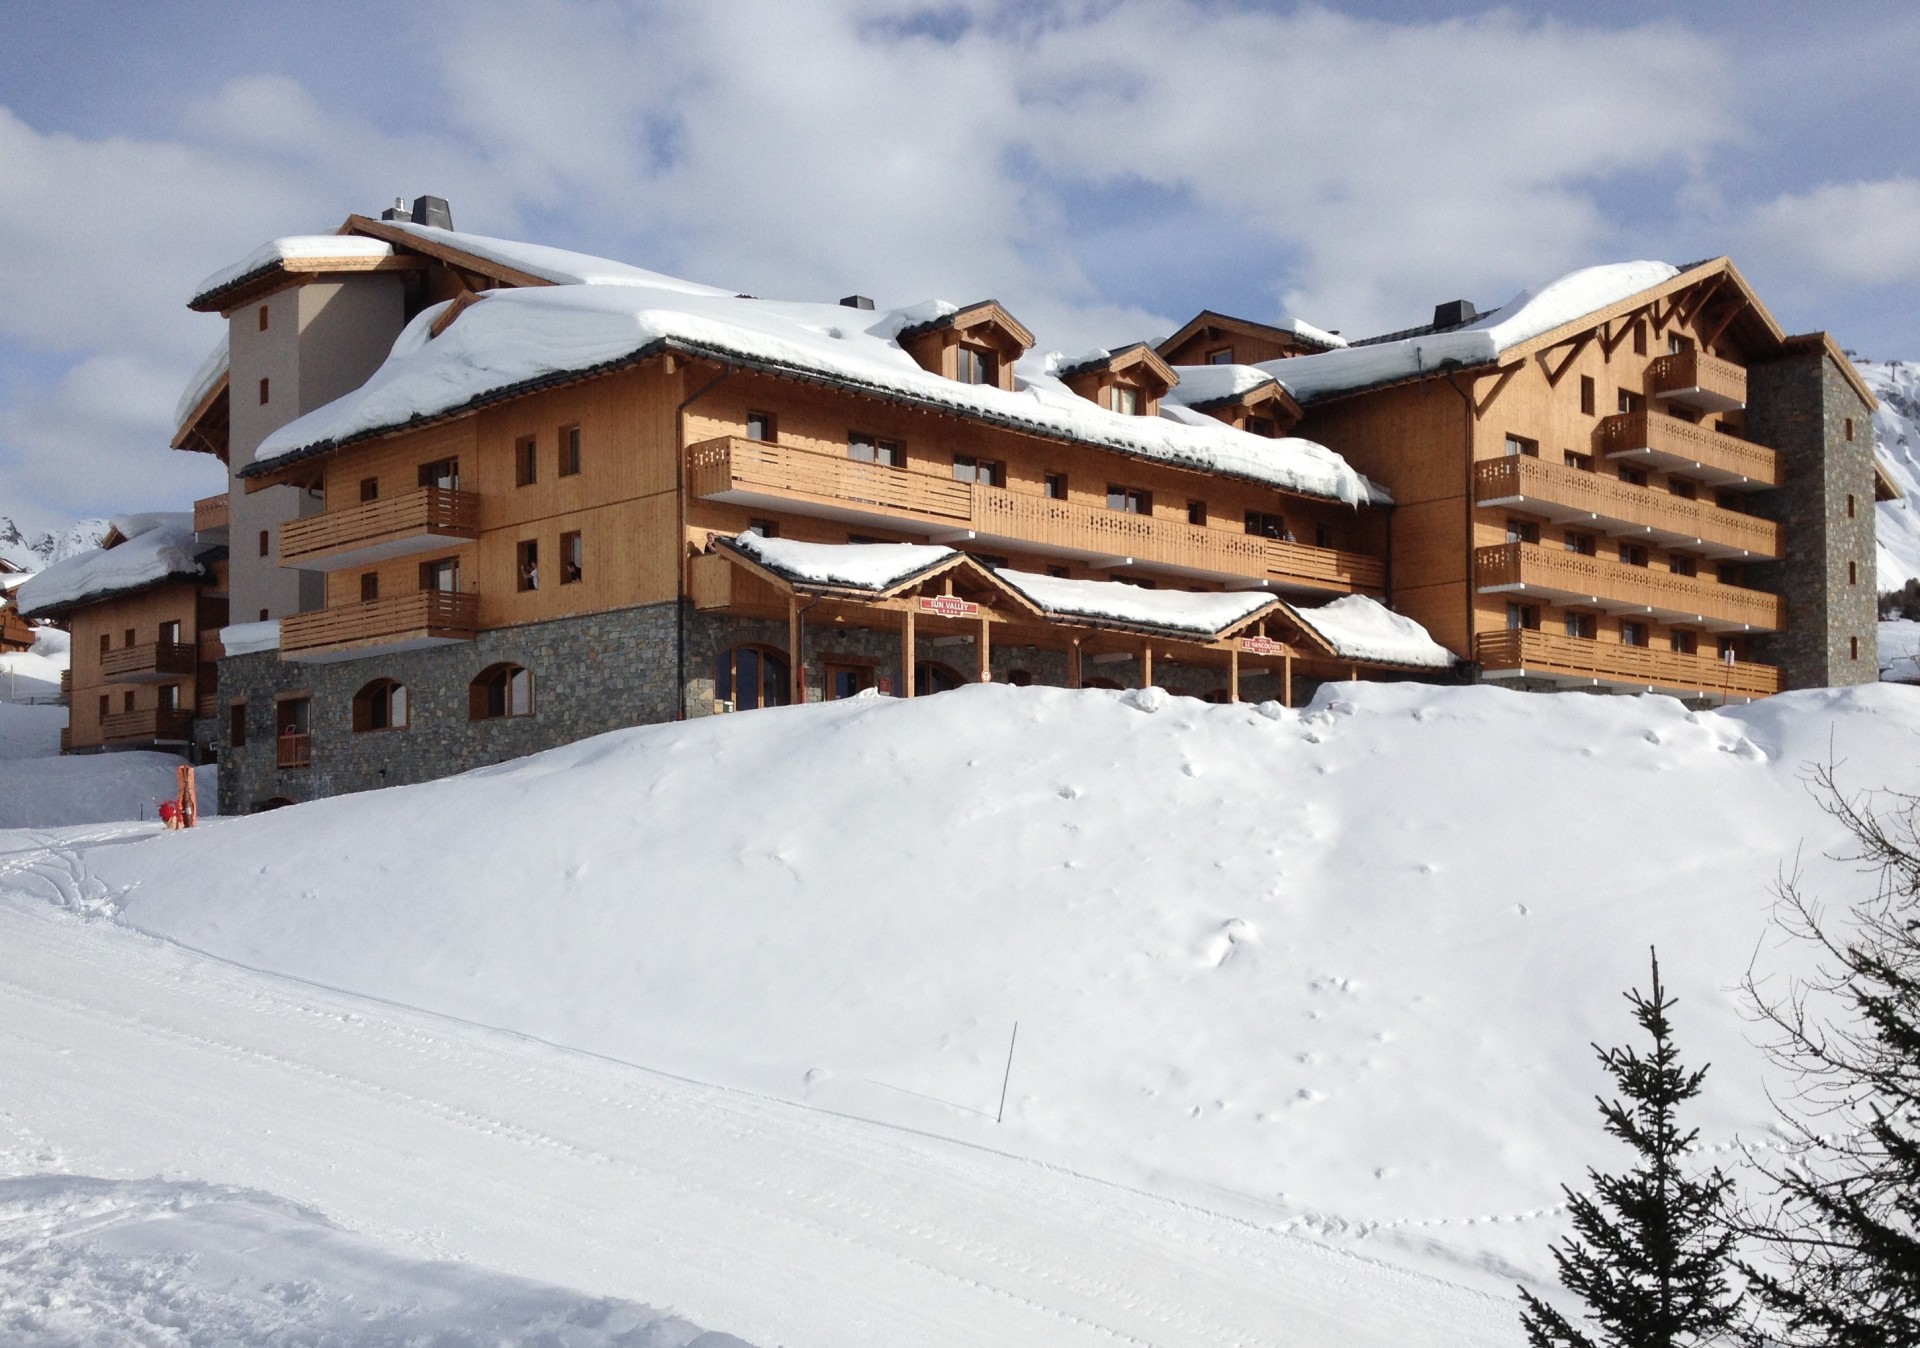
47, 548
39, 788
33, 675
1896, 426
1331, 970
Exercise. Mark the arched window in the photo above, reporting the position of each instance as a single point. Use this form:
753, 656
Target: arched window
934, 677
381, 705
1020, 678
750, 677
500, 691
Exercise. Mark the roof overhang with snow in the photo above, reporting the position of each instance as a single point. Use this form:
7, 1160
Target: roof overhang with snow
1207, 324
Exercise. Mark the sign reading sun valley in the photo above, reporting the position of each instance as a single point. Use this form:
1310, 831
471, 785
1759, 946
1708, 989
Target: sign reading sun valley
949, 606
1262, 646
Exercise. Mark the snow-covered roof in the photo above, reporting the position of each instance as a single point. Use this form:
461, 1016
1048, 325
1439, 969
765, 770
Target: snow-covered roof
513, 338
1168, 610
1201, 384
1364, 629
558, 265
1528, 315
155, 547
246, 638
211, 371
295, 248
860, 566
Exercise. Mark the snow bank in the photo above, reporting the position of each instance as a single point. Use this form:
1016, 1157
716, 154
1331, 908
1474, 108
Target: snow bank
40, 788
157, 546
295, 248
33, 675
246, 638
1900, 651
865, 566
1526, 316
1210, 383
1173, 610
1896, 431
1360, 628
511, 337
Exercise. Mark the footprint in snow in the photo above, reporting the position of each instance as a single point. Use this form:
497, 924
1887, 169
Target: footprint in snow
1224, 942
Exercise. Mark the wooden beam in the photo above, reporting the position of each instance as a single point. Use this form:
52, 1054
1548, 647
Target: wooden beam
1554, 376
1146, 665
906, 651
796, 668
1074, 679
1233, 673
1286, 679
1507, 372
1734, 310
985, 643
1704, 293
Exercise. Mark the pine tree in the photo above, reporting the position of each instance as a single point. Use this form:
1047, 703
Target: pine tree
1651, 1248
1844, 1229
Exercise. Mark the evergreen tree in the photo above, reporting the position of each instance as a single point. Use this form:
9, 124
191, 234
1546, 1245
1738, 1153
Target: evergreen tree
1844, 1228
1651, 1247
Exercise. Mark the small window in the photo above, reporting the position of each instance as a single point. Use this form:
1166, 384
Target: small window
1683, 487
1681, 564
1632, 402
573, 558
765, 528
1522, 531
237, 725
442, 575
1853, 648
369, 489
1581, 625
1523, 617
1633, 634
263, 391
170, 633
1729, 650
1124, 399
972, 365
126, 702
987, 472
1635, 476
266, 546
569, 451
1574, 459
1729, 573
1633, 554
1196, 512
263, 615
526, 564
1587, 394
871, 449
1584, 544
1055, 486
369, 586
442, 473
1639, 338
1519, 444
1323, 535
1849, 505
106, 706
1853, 573
526, 461
1266, 524
106, 642
1060, 572
381, 705
501, 691
761, 426
1849, 428
1677, 345
263, 318
1222, 356
129, 638
1130, 500
1263, 426
1683, 642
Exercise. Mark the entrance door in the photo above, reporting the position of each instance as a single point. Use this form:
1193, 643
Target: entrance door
845, 680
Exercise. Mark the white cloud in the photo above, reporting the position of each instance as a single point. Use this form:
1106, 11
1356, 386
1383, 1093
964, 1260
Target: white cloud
1859, 233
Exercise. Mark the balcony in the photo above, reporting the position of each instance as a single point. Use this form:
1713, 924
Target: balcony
66, 684
1599, 582
827, 486
1668, 443
155, 662
408, 622
210, 518
424, 520
293, 750
1571, 660
1696, 379
157, 724
66, 739
1569, 495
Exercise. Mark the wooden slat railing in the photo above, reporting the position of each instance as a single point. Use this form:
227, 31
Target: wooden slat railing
1606, 580
1670, 436
156, 659
1519, 475
438, 512
732, 463
1550, 653
429, 613
66, 683
1677, 375
293, 751
210, 512
151, 724
66, 739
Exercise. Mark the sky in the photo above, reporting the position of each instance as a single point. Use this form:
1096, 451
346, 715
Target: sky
1104, 168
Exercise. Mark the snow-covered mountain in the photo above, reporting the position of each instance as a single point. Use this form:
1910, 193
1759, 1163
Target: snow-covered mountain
45, 549
1897, 428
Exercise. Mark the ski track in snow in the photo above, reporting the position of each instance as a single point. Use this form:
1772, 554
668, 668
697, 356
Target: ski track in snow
763, 1218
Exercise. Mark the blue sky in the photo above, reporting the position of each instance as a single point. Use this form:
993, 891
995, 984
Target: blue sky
1106, 169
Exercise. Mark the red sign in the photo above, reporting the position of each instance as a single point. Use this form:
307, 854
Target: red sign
949, 606
1262, 646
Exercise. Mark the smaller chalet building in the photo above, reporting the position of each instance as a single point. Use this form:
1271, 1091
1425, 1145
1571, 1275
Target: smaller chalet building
144, 611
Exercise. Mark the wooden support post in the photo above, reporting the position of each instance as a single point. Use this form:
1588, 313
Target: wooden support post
1233, 673
1353, 673
1146, 665
985, 643
1286, 679
796, 665
1074, 678
906, 651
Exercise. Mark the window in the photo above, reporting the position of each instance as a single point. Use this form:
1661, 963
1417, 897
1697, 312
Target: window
381, 705
1681, 564
167, 697
263, 318
1584, 544
1676, 344
264, 613
170, 633
237, 725
526, 461
1584, 462
1523, 617
1849, 505
1055, 486
1633, 554
1522, 531
987, 472
871, 449
126, 702
526, 564
1853, 648
1196, 512
369, 586
1519, 444
1323, 535
1680, 486
1587, 394
499, 692
263, 391
106, 642
930, 677
844, 679
1266, 426
1639, 338
973, 365
369, 489
1580, 625
442, 473
129, 638
760, 426
747, 677
1124, 399
989, 560
1683, 642
266, 547
765, 528
1729, 650
1223, 356
1632, 402
293, 742
1849, 428
1633, 634
106, 706
573, 558
1853, 573
569, 451
442, 575
1636, 476
1060, 572
1131, 500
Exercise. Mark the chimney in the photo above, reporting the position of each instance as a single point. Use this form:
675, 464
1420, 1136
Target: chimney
1453, 313
432, 211
856, 302
398, 211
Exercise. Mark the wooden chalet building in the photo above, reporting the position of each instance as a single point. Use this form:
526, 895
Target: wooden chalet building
489, 497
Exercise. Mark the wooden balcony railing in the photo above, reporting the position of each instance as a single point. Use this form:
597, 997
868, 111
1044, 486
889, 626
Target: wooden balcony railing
1668, 442
1698, 379
807, 482
207, 704
292, 750
210, 513
152, 724
66, 739
1605, 583
66, 683
430, 617
1554, 656
1563, 493
155, 662
393, 526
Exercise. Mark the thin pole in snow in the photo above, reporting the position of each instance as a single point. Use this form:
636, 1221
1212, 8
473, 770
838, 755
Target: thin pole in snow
1001, 1113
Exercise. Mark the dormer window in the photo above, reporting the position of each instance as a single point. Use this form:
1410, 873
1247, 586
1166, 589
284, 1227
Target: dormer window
975, 345
1130, 381
1224, 356
971, 365
1124, 399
